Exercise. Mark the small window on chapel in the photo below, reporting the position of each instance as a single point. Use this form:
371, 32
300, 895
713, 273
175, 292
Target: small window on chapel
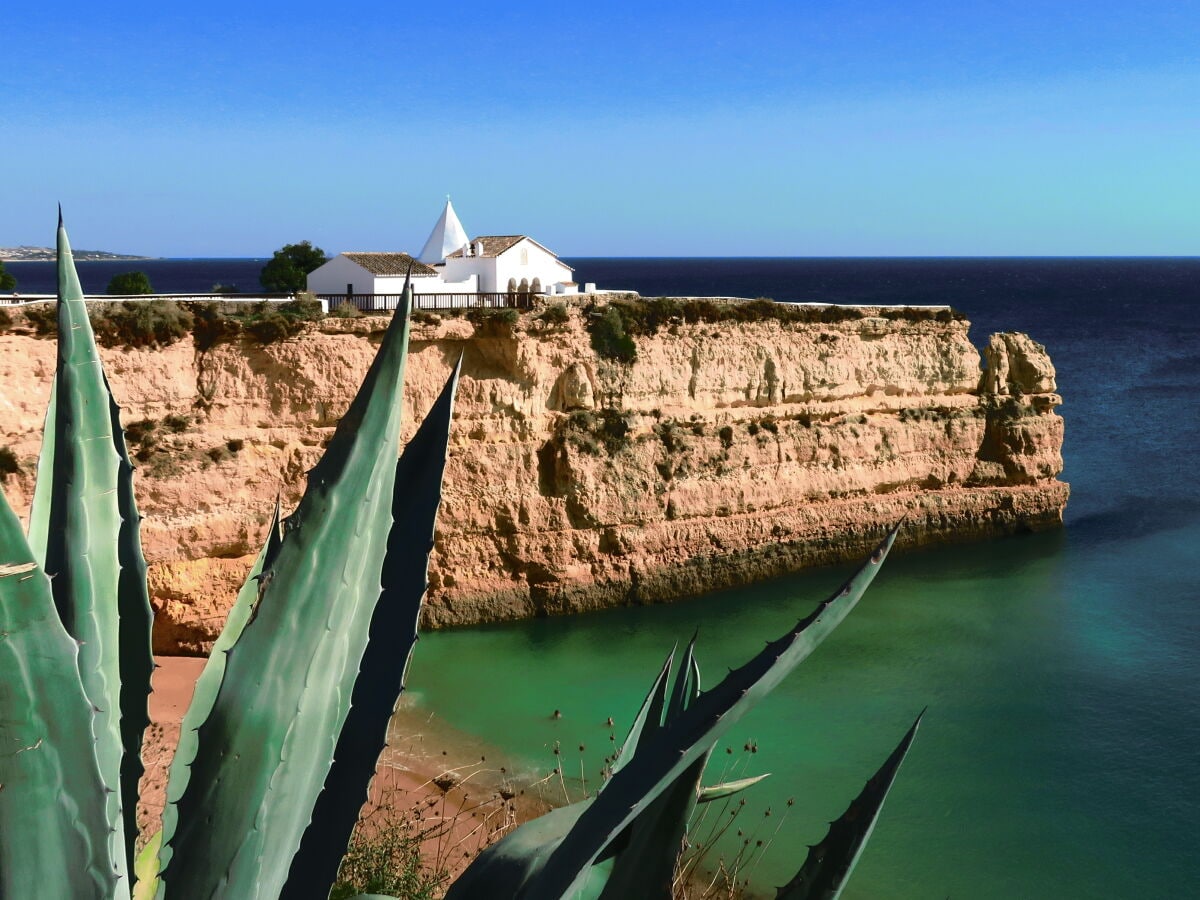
524, 256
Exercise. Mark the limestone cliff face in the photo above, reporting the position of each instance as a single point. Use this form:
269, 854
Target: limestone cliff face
725, 453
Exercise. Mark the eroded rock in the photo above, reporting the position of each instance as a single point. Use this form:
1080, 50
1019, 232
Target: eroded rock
726, 453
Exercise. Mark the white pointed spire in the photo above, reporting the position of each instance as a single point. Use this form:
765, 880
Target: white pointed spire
447, 236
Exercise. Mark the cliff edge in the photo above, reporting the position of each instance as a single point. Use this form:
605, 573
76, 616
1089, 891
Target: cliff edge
726, 452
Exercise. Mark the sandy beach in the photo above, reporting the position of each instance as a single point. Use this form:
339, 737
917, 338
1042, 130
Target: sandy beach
430, 780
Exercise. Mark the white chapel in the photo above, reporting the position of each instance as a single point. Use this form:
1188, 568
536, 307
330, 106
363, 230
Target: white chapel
450, 263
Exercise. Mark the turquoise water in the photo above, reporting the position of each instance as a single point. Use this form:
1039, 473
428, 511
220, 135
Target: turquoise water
1061, 671
1040, 769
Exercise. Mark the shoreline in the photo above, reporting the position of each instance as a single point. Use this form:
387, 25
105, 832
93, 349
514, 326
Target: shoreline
450, 789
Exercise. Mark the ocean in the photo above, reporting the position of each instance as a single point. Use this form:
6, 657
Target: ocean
1058, 758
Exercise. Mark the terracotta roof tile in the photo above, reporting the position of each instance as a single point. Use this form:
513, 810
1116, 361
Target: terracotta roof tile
493, 244
390, 263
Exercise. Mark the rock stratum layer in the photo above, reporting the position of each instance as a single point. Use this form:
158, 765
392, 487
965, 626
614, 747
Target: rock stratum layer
724, 454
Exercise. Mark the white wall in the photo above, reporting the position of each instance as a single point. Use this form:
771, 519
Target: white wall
541, 264
479, 269
333, 277
426, 284
494, 271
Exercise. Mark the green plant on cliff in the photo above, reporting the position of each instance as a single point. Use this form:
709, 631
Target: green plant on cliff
555, 315
270, 322
609, 337
592, 432
9, 464
210, 325
140, 323
289, 716
127, 283
42, 317
287, 269
8, 281
263, 322
614, 323
493, 318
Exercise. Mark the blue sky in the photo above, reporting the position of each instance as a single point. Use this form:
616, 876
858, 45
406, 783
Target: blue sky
779, 129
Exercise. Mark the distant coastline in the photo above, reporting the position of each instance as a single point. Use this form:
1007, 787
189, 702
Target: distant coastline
46, 254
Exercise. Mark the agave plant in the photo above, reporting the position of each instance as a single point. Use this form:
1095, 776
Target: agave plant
289, 715
626, 840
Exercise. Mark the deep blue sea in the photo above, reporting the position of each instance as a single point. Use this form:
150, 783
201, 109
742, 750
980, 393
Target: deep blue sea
1059, 757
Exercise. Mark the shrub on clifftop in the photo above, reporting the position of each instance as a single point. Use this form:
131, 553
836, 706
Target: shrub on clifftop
270, 322
140, 323
9, 464
125, 284
43, 318
287, 271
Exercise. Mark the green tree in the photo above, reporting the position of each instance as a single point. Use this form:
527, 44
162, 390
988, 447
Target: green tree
288, 269
128, 283
7, 281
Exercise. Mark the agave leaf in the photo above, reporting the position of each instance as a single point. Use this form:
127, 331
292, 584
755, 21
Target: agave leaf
728, 788
506, 866
689, 737
503, 869
682, 693
829, 863
204, 694
53, 819
39, 510
266, 746
136, 627
145, 869
83, 548
381, 676
646, 852
649, 717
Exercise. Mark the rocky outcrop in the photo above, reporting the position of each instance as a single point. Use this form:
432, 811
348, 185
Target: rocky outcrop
726, 453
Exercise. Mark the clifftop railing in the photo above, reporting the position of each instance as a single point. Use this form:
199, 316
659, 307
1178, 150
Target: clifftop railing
385, 302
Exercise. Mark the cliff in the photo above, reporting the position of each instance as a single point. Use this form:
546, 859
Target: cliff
727, 452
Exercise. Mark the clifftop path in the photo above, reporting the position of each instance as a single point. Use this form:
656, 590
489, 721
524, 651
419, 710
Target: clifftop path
727, 452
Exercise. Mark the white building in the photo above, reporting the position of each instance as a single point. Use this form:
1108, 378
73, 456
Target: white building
449, 264
380, 273
507, 263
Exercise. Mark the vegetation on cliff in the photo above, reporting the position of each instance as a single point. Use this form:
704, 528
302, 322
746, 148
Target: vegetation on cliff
134, 324
141, 323
287, 270
9, 464
126, 283
614, 324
